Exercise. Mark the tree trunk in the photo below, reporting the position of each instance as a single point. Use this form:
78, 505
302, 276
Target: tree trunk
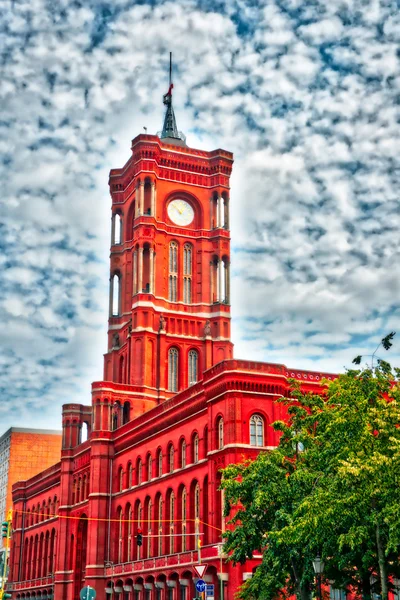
302, 592
382, 563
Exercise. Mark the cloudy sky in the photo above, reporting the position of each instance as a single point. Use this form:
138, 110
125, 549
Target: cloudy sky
306, 93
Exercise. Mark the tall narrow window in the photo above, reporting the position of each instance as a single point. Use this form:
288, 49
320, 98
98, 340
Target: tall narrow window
196, 448
129, 553
193, 366
149, 468
173, 370
117, 229
160, 527
139, 471
171, 458
139, 524
183, 454
220, 431
116, 284
120, 534
184, 516
256, 431
171, 523
149, 530
187, 274
159, 461
197, 512
173, 272
130, 475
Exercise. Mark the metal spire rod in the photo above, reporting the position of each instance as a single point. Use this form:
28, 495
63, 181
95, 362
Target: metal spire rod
170, 129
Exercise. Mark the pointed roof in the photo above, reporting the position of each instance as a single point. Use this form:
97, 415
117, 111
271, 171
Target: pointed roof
170, 130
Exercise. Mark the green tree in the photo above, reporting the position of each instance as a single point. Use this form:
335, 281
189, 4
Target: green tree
334, 489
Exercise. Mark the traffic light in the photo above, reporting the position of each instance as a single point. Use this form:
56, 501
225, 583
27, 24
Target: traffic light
139, 537
5, 529
7, 596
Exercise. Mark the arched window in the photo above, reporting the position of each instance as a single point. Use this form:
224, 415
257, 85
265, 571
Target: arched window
115, 295
160, 527
120, 479
196, 448
129, 547
193, 366
159, 462
171, 523
139, 471
220, 433
126, 412
256, 430
117, 229
197, 512
120, 534
149, 467
130, 475
187, 274
171, 458
149, 530
173, 370
173, 272
184, 517
183, 454
139, 524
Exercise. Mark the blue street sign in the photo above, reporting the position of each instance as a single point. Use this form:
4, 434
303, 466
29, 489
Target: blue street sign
200, 585
87, 593
209, 590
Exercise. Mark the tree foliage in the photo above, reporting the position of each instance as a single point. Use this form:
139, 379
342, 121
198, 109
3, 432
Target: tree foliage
331, 487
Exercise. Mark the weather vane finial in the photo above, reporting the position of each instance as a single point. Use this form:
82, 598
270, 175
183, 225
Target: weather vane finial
170, 129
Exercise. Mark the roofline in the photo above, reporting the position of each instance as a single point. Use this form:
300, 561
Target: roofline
11, 430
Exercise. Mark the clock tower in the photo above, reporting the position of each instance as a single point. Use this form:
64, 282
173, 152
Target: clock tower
169, 315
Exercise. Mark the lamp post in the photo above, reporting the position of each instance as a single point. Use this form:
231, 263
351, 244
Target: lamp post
318, 565
107, 565
221, 583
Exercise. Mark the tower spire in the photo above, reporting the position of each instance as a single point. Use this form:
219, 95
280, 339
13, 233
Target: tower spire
170, 129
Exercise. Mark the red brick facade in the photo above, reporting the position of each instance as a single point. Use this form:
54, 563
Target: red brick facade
173, 409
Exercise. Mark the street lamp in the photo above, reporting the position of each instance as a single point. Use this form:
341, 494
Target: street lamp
318, 565
107, 565
221, 556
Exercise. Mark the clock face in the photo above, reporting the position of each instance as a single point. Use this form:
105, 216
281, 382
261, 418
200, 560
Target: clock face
180, 212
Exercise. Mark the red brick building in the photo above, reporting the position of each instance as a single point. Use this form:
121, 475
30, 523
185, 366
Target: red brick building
174, 406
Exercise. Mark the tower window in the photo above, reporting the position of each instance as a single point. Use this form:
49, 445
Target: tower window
193, 366
187, 273
220, 433
173, 370
115, 295
171, 458
117, 229
173, 272
256, 430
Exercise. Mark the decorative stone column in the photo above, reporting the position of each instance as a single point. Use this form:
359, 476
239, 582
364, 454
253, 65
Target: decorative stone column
140, 271
151, 277
153, 199
135, 273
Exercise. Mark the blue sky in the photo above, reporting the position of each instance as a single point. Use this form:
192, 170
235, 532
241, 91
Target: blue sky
306, 94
